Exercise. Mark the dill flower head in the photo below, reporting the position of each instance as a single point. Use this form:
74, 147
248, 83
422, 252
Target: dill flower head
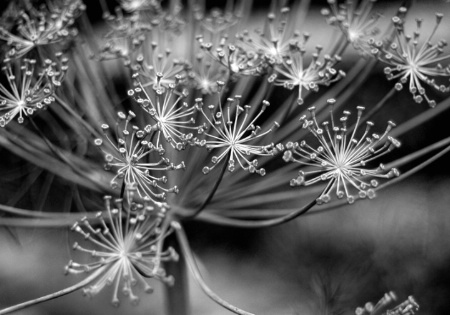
237, 60
172, 115
204, 74
49, 25
127, 34
127, 248
408, 307
412, 63
131, 157
161, 70
273, 41
356, 22
233, 132
30, 87
217, 21
294, 72
341, 157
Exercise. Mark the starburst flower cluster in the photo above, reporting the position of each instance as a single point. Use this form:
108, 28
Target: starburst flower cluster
232, 131
234, 58
294, 71
408, 307
273, 42
173, 117
161, 70
341, 159
133, 159
126, 248
45, 26
356, 22
126, 35
412, 63
217, 22
30, 87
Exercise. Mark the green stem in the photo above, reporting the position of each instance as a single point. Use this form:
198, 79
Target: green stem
187, 253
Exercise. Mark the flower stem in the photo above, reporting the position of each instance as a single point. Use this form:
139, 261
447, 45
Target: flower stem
213, 191
212, 218
187, 253
177, 296
49, 297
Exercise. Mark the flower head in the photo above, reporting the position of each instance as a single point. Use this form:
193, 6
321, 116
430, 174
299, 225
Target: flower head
355, 21
29, 89
408, 307
232, 130
236, 59
293, 71
217, 21
205, 73
341, 157
127, 248
273, 42
127, 34
131, 158
169, 111
46, 26
414, 64
162, 69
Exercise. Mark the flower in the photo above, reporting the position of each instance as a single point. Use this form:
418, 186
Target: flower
29, 89
273, 43
412, 63
162, 69
233, 134
170, 113
127, 248
341, 158
50, 25
408, 307
205, 73
236, 59
126, 35
131, 158
217, 21
294, 72
356, 22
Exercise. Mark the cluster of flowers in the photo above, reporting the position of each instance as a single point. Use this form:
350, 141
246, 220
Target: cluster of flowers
185, 104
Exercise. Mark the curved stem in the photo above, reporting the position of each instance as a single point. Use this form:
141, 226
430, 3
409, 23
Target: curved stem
377, 107
189, 257
212, 192
211, 218
49, 297
414, 169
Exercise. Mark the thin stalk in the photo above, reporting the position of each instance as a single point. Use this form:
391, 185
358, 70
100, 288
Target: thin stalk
414, 169
213, 191
378, 106
49, 297
177, 296
187, 253
252, 224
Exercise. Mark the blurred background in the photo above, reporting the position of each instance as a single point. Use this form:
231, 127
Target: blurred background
325, 263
